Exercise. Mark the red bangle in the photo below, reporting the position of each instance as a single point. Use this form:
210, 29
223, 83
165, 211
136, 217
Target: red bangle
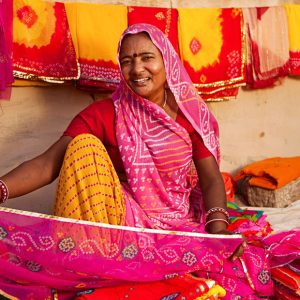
4, 192
218, 209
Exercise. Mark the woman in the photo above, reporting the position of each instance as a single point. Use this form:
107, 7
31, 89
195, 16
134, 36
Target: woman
151, 115
153, 132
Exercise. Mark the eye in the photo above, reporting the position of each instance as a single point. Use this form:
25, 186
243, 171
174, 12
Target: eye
147, 57
125, 62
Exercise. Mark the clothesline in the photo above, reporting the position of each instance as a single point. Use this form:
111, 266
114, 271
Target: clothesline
191, 4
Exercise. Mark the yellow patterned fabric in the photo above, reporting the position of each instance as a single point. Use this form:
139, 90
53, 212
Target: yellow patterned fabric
42, 44
293, 15
212, 46
96, 30
89, 188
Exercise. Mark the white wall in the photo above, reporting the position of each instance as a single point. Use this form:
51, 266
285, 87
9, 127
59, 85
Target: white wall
257, 125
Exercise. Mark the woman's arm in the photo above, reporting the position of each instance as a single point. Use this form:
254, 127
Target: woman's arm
37, 172
213, 189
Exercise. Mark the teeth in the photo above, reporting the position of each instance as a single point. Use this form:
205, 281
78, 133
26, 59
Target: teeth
141, 80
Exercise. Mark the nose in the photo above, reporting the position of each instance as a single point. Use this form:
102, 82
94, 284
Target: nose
137, 66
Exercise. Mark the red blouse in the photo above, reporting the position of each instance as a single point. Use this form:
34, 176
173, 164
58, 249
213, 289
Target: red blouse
99, 119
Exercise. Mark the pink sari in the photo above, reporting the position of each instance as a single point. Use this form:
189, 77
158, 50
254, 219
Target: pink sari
156, 151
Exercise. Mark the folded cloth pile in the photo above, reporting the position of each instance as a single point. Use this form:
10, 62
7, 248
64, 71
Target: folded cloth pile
180, 287
271, 173
287, 283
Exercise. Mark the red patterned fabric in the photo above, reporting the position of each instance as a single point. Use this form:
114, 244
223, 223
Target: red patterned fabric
288, 278
267, 45
181, 287
43, 48
284, 293
223, 69
163, 18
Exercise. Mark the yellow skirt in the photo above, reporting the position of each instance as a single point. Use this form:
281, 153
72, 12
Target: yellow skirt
89, 188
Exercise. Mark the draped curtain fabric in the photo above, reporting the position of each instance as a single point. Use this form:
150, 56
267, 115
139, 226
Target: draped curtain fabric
267, 45
42, 43
213, 50
293, 15
165, 19
96, 30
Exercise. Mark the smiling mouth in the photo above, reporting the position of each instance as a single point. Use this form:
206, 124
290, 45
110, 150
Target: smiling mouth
140, 81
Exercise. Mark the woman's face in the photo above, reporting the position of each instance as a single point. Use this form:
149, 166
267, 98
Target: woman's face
143, 67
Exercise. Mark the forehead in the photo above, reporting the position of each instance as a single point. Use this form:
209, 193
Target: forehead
136, 43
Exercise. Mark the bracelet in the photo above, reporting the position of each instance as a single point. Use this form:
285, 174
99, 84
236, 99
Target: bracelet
220, 210
216, 220
4, 192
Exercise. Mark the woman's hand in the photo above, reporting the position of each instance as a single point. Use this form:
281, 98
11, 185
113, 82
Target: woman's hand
239, 250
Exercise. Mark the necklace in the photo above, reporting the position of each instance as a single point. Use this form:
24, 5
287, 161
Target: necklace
165, 101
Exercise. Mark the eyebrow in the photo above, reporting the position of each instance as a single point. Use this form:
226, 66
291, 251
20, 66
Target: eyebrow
136, 55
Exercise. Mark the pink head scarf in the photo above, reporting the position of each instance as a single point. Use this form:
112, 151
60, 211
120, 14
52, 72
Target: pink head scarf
156, 151
179, 82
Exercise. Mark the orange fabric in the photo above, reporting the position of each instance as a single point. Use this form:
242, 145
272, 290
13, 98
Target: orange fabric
272, 173
229, 186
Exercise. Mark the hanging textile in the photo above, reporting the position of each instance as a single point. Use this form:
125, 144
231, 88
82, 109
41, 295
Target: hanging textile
212, 48
6, 73
293, 15
43, 48
163, 18
96, 30
267, 45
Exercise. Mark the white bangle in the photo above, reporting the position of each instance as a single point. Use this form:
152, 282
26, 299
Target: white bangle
216, 220
4, 192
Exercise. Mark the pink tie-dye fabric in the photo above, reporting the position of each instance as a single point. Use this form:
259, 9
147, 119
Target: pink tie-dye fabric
6, 70
156, 151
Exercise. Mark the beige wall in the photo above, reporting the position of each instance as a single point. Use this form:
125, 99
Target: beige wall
257, 125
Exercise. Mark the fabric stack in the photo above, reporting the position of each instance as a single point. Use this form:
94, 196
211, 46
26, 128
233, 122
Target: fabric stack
272, 182
287, 283
185, 287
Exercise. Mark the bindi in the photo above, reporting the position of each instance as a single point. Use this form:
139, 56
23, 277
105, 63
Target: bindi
135, 55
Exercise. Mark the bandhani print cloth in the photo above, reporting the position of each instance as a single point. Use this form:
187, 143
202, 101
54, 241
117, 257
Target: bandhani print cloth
212, 47
88, 186
293, 15
180, 287
267, 45
6, 73
42, 43
96, 30
166, 19
40, 254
